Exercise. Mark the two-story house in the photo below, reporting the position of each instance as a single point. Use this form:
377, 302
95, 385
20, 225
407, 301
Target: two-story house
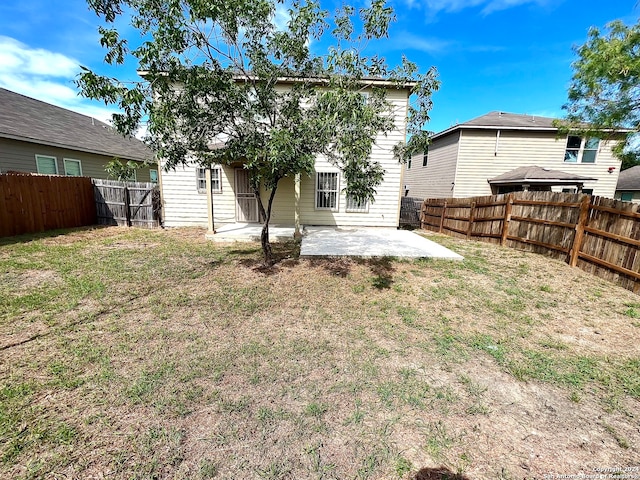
302, 200
503, 152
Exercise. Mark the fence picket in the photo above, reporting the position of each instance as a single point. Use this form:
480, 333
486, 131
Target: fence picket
596, 234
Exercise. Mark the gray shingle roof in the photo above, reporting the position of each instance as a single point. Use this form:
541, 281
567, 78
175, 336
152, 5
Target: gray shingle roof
503, 120
629, 179
27, 119
536, 174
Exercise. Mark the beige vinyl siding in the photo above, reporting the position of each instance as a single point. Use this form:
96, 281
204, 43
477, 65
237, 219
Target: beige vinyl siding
436, 179
184, 206
19, 156
283, 211
478, 160
385, 210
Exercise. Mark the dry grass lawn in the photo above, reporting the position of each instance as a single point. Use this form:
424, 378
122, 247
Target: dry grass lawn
129, 354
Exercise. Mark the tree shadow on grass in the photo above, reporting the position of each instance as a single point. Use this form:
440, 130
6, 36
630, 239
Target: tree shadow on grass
285, 254
382, 269
439, 473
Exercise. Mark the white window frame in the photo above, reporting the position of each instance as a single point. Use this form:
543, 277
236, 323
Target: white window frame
150, 177
216, 184
201, 176
335, 191
64, 163
48, 157
353, 207
581, 150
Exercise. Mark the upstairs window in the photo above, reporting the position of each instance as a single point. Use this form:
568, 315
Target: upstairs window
46, 165
327, 191
425, 158
153, 175
581, 150
72, 168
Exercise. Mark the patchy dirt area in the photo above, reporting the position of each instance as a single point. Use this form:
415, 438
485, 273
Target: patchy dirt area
161, 355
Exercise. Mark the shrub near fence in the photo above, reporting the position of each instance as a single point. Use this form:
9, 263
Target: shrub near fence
599, 235
36, 203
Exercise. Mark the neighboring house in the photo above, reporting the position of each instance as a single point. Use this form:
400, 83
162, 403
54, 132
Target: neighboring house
628, 188
39, 137
503, 152
315, 200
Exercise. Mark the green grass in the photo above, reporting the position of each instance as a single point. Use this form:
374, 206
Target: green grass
156, 354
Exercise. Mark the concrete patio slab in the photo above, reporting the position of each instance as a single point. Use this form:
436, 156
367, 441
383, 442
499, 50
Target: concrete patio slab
250, 232
370, 242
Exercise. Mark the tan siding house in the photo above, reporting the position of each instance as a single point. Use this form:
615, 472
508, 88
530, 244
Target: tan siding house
186, 204
38, 137
463, 159
628, 188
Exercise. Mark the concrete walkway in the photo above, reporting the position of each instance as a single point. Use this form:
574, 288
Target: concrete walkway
370, 242
250, 232
342, 241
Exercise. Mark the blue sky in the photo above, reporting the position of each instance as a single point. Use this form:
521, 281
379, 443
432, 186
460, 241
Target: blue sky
509, 55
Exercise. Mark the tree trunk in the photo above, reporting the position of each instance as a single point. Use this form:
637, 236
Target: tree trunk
266, 217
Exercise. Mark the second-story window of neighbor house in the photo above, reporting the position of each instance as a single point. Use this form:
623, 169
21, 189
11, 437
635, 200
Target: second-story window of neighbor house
581, 150
409, 164
425, 158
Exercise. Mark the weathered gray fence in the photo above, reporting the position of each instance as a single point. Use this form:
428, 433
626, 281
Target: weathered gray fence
132, 204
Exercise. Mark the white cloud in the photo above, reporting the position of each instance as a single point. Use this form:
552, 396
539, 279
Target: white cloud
46, 76
452, 6
411, 41
281, 17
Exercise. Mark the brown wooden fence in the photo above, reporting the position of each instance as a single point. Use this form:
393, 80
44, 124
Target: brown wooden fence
37, 203
129, 204
599, 235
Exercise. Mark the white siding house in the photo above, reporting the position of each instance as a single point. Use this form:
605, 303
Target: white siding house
315, 200
463, 159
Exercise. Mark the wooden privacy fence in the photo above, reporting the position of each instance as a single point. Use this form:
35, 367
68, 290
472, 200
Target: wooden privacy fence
597, 234
37, 203
129, 204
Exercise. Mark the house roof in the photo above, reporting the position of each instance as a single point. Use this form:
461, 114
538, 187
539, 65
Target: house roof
497, 120
30, 120
539, 175
629, 179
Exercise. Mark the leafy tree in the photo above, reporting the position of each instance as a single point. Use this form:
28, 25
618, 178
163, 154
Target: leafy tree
120, 171
212, 87
604, 96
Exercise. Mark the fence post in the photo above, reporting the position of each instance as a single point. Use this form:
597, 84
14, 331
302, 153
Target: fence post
472, 215
507, 219
444, 211
423, 208
579, 236
127, 210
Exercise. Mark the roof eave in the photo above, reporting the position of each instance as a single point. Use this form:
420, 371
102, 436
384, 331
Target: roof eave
539, 181
75, 147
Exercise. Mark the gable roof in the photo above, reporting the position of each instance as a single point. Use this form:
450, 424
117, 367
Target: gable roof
629, 179
30, 120
498, 120
539, 175
504, 121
